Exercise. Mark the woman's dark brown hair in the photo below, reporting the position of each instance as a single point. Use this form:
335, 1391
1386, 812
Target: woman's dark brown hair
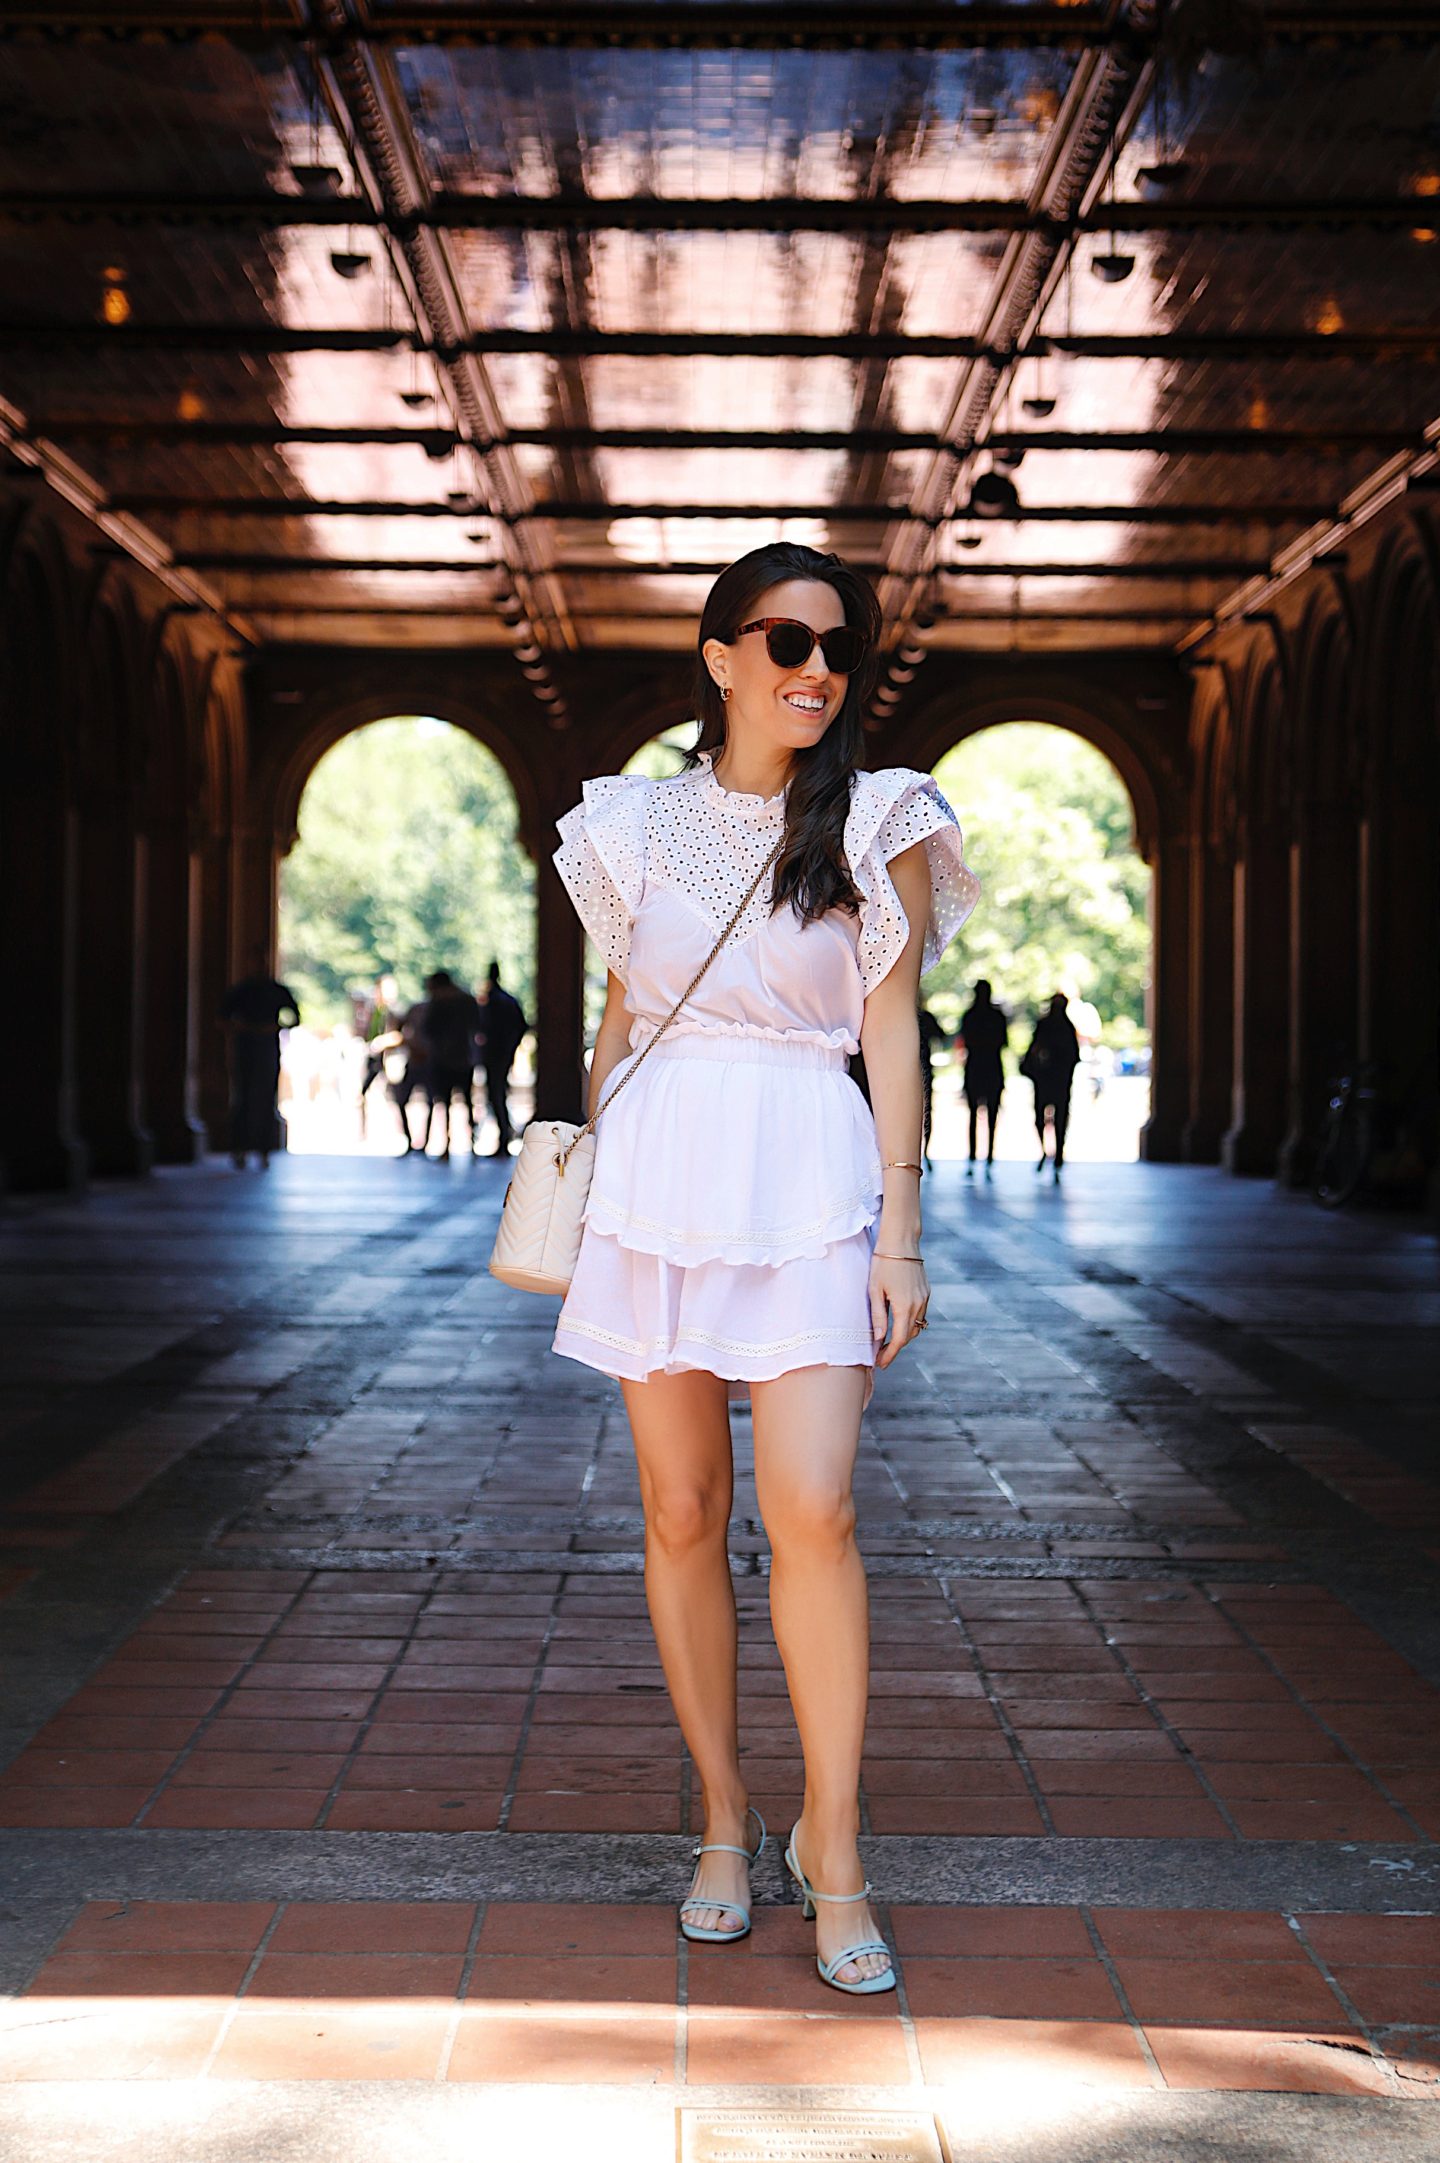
811, 870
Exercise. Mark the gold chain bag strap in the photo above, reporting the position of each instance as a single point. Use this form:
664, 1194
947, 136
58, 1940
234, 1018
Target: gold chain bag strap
538, 1242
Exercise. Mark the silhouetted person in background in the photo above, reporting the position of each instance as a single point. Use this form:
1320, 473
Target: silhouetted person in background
932, 1033
984, 1032
450, 1021
250, 1014
1049, 1065
377, 1023
413, 1073
502, 1025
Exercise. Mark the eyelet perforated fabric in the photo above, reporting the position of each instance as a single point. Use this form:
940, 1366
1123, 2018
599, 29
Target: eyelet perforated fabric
889, 811
706, 842
601, 859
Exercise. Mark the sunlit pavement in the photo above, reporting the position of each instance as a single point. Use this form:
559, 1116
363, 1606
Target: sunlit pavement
346, 1814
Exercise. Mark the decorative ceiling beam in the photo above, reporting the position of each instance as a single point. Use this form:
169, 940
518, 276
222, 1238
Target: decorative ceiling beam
570, 212
1094, 514
1402, 343
437, 443
759, 24
260, 565
1104, 97
375, 122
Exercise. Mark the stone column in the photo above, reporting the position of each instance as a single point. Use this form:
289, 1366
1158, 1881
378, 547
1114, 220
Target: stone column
172, 989
216, 945
1259, 1089
559, 998
110, 977
1163, 1135
40, 1142
1211, 976
1324, 1023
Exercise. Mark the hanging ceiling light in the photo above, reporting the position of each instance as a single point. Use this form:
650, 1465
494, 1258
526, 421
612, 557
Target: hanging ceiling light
1113, 266
114, 300
416, 401
1009, 458
994, 496
316, 179
1039, 409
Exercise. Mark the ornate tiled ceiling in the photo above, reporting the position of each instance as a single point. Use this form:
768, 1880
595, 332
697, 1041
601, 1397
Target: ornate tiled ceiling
469, 325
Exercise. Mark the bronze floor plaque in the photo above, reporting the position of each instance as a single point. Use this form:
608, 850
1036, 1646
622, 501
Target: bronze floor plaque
809, 2136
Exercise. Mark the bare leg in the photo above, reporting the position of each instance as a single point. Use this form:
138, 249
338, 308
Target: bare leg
807, 1430
681, 1426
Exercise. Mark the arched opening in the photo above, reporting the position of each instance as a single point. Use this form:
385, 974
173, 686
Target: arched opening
408, 861
1050, 830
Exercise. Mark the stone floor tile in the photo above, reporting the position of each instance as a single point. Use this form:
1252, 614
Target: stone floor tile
1142, 1818
170, 1926
1392, 1996
1308, 2063
1375, 1941
791, 2050
1359, 1820
1008, 1933
1041, 2054
1031, 1989
240, 1809
357, 1809
542, 1927
105, 2038
560, 1980
1178, 1934
602, 2043
373, 1926
355, 1974
345, 2041
142, 1974
1228, 1993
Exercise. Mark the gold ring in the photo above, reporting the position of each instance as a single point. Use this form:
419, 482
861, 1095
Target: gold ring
922, 1325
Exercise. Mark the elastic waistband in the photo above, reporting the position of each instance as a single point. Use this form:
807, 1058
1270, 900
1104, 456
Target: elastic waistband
748, 1050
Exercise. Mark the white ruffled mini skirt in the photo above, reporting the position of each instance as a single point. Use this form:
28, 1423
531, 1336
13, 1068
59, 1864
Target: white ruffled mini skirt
731, 1214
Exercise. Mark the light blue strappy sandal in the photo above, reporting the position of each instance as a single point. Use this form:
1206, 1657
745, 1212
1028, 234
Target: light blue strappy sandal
865, 1986
693, 1931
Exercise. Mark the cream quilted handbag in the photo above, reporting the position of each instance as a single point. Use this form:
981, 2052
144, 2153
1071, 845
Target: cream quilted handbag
538, 1243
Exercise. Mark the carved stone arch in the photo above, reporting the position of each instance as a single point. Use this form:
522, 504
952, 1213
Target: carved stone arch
111, 725
1398, 654
1216, 769
1262, 733
1321, 694
40, 637
942, 723
280, 782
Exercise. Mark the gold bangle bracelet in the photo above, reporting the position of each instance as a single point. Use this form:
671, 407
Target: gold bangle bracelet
879, 1257
902, 1164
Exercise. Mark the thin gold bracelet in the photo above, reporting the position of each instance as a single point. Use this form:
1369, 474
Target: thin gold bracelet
902, 1164
879, 1257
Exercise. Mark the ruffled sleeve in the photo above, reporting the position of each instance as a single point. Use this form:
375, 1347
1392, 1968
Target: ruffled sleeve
601, 859
889, 811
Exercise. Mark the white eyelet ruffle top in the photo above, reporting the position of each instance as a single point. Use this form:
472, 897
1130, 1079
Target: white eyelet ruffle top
736, 1183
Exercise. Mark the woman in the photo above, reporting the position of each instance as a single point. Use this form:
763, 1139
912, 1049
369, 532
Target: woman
749, 1221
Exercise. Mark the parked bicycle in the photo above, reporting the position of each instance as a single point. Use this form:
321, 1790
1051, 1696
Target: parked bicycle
1369, 1143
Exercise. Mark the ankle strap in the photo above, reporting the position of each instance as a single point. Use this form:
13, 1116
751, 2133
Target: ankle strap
840, 1898
722, 1847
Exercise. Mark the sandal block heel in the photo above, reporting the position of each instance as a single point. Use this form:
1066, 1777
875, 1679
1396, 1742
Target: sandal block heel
865, 1986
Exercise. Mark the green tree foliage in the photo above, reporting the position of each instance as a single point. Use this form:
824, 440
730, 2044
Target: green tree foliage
408, 860
1064, 904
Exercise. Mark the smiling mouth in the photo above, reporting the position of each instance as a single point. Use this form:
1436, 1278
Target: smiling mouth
805, 702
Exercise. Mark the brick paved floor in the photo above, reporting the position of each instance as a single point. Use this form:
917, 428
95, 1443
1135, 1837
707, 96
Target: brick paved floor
335, 1752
